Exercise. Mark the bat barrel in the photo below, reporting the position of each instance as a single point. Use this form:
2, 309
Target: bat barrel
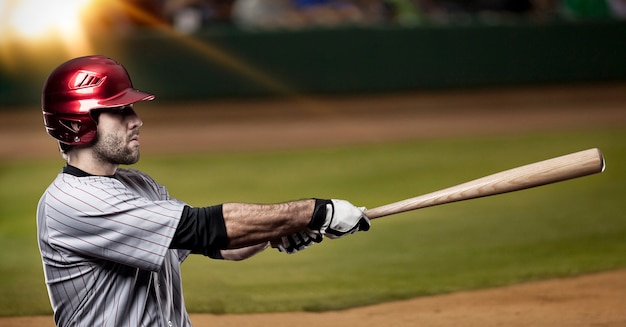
549, 171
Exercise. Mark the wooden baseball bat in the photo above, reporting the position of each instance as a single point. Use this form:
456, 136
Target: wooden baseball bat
549, 171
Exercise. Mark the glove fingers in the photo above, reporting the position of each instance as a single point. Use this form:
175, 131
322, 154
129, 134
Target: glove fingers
299, 241
314, 235
364, 224
288, 244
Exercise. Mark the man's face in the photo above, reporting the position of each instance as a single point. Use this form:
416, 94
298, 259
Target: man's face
118, 136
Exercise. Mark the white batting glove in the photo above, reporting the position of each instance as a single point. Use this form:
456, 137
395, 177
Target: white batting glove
337, 218
298, 241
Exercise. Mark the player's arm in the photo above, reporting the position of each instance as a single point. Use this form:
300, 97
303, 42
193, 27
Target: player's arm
250, 224
243, 253
238, 225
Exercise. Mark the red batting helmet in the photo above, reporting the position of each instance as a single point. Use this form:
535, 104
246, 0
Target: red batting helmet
79, 85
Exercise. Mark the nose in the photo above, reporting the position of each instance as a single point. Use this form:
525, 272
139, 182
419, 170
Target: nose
134, 120
137, 121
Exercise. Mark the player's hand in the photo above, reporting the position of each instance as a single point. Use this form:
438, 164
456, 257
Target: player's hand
337, 218
297, 241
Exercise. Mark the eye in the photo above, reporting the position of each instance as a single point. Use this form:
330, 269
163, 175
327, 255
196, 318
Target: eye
126, 110
121, 111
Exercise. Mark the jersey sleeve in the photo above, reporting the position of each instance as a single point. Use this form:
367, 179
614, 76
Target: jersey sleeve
102, 217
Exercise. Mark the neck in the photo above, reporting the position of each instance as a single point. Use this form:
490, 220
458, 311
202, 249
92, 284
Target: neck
83, 159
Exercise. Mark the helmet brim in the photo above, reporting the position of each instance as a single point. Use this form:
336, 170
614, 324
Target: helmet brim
127, 97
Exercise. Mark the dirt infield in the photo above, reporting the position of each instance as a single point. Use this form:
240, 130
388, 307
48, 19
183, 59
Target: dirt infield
592, 300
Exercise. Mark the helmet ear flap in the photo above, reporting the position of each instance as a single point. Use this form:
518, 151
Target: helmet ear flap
73, 126
70, 124
76, 130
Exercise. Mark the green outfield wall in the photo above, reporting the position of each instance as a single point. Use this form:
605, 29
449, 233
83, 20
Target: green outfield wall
225, 62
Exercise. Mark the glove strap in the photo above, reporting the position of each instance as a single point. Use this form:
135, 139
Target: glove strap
319, 214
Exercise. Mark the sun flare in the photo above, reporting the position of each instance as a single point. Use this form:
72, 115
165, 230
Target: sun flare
32, 24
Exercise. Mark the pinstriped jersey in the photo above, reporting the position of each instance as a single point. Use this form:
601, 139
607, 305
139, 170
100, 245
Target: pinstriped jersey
104, 243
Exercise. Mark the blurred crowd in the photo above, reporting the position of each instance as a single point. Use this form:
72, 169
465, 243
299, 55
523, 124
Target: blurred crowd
188, 16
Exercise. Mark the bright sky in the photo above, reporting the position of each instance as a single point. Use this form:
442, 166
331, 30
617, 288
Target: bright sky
33, 19
32, 24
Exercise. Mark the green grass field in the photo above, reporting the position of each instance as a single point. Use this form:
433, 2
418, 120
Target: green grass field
564, 229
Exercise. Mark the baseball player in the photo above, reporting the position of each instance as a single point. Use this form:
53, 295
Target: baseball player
112, 239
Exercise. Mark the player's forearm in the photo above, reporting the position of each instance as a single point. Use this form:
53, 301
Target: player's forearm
243, 253
249, 224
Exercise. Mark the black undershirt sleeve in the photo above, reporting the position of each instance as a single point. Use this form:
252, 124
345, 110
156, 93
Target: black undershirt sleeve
201, 230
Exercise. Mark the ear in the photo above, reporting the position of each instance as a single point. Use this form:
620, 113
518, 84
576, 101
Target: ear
71, 125
75, 126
